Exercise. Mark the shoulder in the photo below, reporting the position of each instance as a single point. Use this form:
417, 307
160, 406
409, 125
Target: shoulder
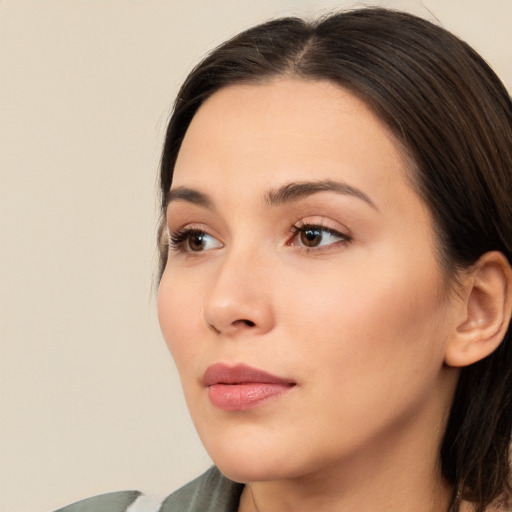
211, 492
111, 502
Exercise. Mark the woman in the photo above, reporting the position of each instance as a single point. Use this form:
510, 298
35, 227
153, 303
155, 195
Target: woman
335, 281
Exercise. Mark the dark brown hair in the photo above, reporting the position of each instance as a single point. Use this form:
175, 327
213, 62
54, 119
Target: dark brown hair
454, 118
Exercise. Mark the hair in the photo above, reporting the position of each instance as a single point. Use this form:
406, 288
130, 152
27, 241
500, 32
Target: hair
453, 116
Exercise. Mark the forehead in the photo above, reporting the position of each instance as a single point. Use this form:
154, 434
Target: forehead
264, 135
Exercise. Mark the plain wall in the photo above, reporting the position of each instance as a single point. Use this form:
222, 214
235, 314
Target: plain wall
90, 401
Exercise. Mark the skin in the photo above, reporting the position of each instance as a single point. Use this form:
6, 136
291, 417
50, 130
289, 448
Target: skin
360, 323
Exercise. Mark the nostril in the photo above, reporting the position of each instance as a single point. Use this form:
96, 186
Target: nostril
240, 323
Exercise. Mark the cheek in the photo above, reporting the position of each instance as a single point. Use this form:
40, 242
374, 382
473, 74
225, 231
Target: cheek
179, 314
366, 324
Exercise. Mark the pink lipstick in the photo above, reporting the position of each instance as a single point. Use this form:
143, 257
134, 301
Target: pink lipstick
240, 387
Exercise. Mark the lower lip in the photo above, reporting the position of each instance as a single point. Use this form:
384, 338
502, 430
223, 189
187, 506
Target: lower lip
240, 397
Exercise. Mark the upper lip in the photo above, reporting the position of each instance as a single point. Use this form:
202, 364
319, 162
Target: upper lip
220, 373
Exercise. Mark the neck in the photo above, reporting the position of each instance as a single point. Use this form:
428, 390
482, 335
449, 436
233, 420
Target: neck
382, 487
398, 471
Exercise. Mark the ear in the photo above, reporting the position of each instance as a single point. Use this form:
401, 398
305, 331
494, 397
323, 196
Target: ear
487, 290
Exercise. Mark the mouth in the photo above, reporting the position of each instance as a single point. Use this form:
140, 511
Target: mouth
241, 387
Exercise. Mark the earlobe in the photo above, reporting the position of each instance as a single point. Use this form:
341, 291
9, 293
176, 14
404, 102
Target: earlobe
488, 304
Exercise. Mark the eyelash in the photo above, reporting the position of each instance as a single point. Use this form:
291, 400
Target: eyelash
178, 239
302, 227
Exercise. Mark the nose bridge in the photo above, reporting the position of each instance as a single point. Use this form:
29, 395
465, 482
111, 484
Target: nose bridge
239, 299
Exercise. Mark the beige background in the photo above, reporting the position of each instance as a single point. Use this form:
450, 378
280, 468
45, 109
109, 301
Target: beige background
89, 397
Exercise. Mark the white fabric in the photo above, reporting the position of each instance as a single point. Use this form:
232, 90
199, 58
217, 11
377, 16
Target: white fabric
146, 504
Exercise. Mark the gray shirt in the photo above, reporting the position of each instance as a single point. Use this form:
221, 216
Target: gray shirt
211, 492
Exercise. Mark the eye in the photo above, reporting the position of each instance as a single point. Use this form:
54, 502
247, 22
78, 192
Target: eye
312, 236
192, 240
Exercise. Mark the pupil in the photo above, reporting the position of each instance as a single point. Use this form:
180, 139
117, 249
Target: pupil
311, 237
196, 242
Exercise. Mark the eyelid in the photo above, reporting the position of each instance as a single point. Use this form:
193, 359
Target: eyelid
319, 223
178, 237
189, 226
323, 223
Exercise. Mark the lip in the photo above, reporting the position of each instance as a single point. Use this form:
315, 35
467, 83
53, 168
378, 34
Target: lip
241, 387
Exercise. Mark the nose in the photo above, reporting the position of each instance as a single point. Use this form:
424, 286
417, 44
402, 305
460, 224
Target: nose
238, 301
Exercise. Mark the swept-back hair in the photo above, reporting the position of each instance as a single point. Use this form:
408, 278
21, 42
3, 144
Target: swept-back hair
453, 117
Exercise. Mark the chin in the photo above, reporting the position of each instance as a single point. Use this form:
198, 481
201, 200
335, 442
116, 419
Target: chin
246, 464
247, 471
260, 460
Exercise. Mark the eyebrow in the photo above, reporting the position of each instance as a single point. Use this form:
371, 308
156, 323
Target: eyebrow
188, 195
286, 194
298, 190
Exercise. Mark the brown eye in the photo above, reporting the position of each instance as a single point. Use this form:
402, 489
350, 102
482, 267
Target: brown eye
311, 237
192, 240
196, 241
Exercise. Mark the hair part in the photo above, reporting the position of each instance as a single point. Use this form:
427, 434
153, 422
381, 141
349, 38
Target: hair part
453, 117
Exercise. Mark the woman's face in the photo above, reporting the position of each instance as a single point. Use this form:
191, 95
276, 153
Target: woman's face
302, 300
